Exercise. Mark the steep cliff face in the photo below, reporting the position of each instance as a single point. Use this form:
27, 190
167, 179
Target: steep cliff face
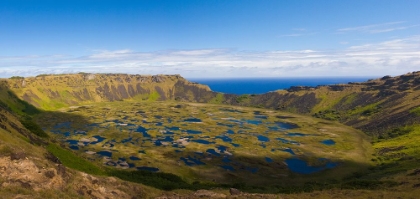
374, 106
55, 91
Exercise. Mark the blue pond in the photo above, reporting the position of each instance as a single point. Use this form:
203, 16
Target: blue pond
166, 139
73, 142
289, 150
255, 122
235, 145
213, 152
143, 130
134, 158
285, 125
226, 160
99, 139
263, 138
221, 148
269, 160
202, 141
328, 142
296, 134
158, 143
74, 147
193, 132
126, 140
174, 128
192, 120
192, 161
105, 153
151, 169
300, 166
225, 138
230, 131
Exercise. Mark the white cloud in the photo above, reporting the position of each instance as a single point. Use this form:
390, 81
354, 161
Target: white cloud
378, 28
391, 57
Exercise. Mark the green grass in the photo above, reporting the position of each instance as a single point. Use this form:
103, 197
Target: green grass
416, 111
243, 98
399, 153
218, 99
73, 161
366, 110
33, 127
154, 96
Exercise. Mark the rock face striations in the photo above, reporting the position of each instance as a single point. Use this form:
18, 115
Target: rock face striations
54, 91
373, 106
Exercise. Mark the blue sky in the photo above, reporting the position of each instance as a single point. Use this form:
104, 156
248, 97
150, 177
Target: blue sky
210, 38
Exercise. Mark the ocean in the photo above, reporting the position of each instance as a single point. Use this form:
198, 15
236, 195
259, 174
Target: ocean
263, 85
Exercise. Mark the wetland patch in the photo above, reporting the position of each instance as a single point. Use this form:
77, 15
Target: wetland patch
196, 140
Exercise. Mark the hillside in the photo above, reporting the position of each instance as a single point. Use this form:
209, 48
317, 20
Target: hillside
387, 109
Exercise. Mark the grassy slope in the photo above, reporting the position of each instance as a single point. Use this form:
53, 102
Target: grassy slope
395, 165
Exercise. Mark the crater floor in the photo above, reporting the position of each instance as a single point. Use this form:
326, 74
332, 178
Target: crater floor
210, 143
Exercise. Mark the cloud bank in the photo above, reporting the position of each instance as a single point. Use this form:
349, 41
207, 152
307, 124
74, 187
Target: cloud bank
391, 57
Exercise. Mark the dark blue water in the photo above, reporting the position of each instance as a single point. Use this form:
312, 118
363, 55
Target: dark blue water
227, 167
221, 148
235, 145
263, 85
263, 138
202, 141
105, 153
302, 167
328, 142
285, 125
192, 120
190, 161
193, 132
225, 138
174, 128
72, 142
100, 139
289, 150
134, 158
213, 152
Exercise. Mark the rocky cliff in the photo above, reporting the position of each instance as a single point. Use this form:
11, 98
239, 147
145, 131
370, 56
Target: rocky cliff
55, 91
